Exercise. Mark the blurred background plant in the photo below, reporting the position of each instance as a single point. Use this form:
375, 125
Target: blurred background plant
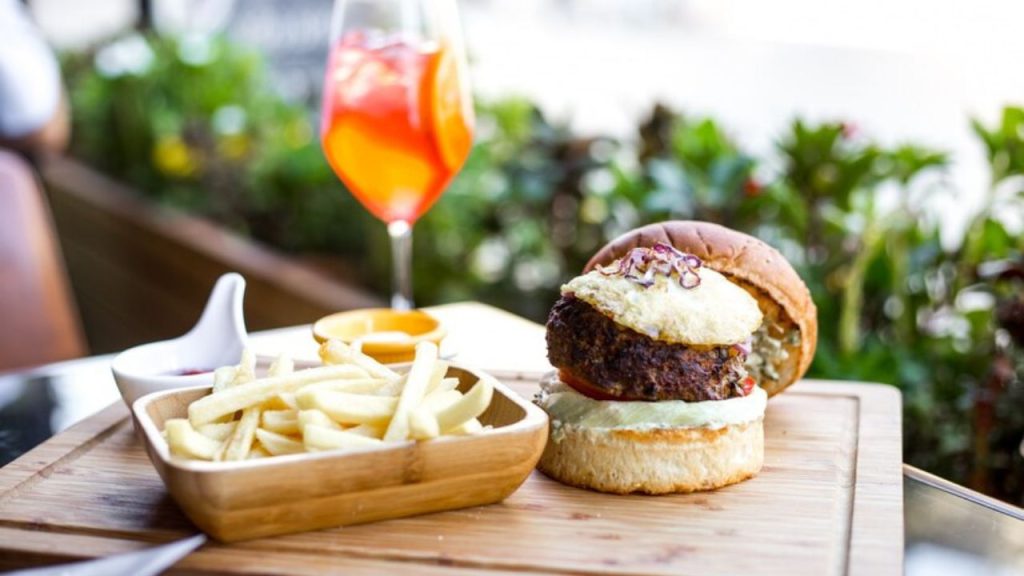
189, 122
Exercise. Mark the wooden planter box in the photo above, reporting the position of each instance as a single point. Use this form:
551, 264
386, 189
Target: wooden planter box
141, 272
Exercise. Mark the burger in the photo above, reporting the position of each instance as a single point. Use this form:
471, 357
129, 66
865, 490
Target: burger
666, 350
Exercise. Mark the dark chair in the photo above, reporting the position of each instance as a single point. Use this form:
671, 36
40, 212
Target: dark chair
38, 320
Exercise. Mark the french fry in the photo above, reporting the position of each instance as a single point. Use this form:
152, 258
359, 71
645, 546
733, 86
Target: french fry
278, 444
321, 438
437, 376
368, 430
209, 408
441, 393
392, 387
184, 441
288, 399
471, 426
240, 444
278, 402
218, 431
317, 418
258, 452
348, 408
285, 400
218, 456
471, 405
246, 370
355, 386
439, 399
280, 421
337, 352
281, 366
223, 377
446, 384
423, 424
245, 432
415, 387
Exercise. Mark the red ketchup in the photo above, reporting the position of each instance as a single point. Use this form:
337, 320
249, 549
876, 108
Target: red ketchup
190, 371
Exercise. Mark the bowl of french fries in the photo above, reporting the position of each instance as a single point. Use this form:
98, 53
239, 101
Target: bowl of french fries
347, 442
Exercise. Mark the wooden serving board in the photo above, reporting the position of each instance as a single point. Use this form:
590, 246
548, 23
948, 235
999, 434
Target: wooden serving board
829, 501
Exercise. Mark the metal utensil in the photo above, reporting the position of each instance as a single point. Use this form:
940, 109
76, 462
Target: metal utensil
148, 562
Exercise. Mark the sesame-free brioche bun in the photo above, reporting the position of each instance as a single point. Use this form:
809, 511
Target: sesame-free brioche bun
755, 266
654, 460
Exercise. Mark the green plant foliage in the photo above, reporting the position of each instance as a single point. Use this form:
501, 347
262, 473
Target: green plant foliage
1004, 144
191, 124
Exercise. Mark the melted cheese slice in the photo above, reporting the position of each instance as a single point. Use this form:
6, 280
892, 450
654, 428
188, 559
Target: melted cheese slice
715, 313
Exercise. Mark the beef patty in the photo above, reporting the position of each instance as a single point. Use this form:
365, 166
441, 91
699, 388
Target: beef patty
627, 365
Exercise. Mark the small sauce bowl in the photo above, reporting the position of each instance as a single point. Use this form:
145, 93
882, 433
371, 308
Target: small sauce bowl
216, 340
389, 336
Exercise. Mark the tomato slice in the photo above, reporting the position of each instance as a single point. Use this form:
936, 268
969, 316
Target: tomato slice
584, 387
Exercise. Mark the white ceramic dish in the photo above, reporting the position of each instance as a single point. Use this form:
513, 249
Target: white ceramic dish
216, 340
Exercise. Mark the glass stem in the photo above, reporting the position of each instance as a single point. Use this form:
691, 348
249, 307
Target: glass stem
401, 264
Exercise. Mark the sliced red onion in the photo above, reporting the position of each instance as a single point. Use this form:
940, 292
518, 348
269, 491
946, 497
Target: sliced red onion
745, 347
690, 280
641, 264
649, 276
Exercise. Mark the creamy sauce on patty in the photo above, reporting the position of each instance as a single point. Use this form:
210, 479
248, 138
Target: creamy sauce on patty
567, 407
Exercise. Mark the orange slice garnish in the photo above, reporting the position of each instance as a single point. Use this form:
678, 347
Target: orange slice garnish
450, 112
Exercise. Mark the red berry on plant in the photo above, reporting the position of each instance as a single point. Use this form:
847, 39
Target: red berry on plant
752, 188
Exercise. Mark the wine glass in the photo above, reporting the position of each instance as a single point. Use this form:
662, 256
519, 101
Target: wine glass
397, 114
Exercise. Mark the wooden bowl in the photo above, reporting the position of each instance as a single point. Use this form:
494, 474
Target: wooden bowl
234, 501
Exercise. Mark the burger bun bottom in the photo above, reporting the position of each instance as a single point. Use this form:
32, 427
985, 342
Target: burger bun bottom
654, 460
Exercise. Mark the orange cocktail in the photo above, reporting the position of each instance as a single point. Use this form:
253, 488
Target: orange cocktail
396, 125
397, 117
